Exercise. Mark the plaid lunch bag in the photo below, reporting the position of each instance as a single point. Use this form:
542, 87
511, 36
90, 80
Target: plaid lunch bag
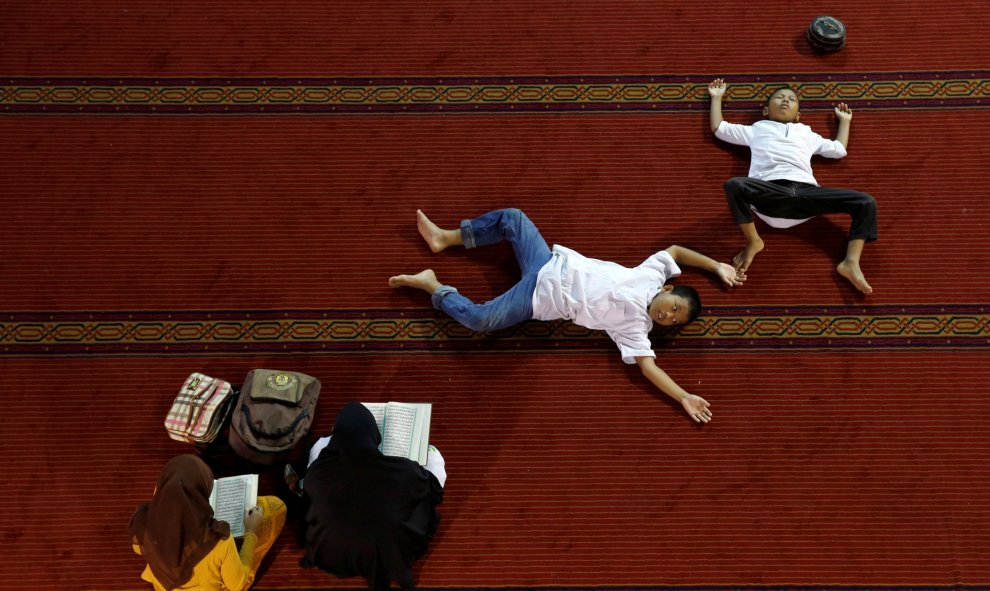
198, 413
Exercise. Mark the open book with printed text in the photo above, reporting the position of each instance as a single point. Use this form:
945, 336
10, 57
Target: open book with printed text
231, 497
405, 428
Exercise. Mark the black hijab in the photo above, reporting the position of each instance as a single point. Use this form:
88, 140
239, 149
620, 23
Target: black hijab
177, 529
370, 515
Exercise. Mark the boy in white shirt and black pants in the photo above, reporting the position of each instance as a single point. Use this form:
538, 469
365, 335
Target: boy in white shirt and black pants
781, 188
563, 284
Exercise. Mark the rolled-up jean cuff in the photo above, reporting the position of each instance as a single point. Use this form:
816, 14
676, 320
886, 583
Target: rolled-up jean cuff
467, 234
440, 294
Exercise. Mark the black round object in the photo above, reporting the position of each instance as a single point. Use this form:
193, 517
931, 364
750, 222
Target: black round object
826, 34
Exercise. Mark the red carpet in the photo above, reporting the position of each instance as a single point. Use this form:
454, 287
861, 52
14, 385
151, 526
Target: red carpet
566, 470
217, 189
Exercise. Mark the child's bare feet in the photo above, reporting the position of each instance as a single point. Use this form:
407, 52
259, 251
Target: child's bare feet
744, 259
436, 237
425, 280
851, 271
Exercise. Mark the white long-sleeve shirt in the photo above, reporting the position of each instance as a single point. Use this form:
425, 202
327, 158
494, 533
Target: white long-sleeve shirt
780, 150
602, 295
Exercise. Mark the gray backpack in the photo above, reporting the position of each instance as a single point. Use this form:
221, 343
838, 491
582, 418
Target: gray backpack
273, 413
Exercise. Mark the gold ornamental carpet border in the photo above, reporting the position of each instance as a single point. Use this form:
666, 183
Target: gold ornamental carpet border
728, 329
964, 89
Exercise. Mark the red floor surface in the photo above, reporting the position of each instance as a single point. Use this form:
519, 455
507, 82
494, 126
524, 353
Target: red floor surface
165, 212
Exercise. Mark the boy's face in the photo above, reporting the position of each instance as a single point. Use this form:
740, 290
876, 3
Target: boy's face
667, 309
782, 107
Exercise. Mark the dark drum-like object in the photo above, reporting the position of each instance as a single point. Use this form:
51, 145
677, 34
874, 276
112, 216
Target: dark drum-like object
826, 34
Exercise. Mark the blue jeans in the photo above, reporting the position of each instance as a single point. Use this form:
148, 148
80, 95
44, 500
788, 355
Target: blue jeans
515, 305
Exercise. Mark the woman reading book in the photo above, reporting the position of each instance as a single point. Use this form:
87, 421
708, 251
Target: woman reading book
185, 546
369, 514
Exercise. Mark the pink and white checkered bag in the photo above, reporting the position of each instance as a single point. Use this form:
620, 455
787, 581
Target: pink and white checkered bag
199, 410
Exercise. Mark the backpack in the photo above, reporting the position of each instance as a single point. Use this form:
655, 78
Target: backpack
198, 412
274, 411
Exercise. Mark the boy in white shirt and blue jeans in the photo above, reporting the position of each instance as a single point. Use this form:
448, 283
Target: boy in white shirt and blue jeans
563, 284
781, 188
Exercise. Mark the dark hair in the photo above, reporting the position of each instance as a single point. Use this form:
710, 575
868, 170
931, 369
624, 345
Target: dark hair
692, 298
766, 103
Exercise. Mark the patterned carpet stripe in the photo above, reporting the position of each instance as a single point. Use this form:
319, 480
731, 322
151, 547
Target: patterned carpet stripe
875, 91
415, 330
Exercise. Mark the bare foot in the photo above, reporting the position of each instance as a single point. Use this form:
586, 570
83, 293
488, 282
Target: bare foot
851, 271
425, 280
435, 237
744, 259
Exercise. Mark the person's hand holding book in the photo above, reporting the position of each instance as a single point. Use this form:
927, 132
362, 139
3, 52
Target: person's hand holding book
252, 519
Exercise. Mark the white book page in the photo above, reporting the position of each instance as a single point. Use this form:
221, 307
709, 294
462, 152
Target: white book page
231, 497
400, 425
426, 414
378, 411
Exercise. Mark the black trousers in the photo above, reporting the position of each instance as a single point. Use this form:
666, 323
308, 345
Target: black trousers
796, 201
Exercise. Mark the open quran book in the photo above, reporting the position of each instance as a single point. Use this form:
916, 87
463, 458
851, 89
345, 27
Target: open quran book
231, 497
405, 428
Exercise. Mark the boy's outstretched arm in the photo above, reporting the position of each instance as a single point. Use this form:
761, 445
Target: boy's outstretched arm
696, 406
845, 115
717, 90
685, 257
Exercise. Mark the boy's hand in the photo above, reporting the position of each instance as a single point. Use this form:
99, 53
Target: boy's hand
697, 408
843, 112
730, 275
716, 88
